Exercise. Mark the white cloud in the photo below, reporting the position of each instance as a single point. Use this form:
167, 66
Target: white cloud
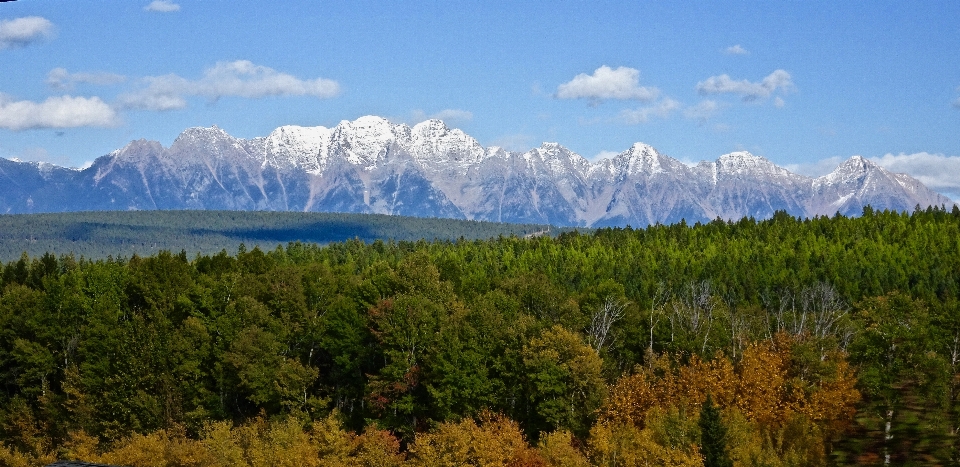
162, 6
607, 83
702, 111
23, 31
238, 79
723, 84
55, 112
447, 115
60, 78
735, 50
661, 109
936, 171
778, 102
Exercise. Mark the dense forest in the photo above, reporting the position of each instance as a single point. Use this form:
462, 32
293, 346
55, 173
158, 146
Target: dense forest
99, 234
825, 341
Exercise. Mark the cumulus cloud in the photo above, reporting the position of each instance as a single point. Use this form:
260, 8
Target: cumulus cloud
162, 6
21, 32
702, 111
447, 115
55, 112
61, 79
735, 50
607, 83
723, 84
661, 109
240, 78
937, 171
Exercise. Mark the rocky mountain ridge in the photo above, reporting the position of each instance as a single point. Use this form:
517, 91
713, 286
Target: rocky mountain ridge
370, 165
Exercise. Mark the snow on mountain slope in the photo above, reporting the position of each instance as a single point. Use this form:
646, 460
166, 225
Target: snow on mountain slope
297, 147
858, 182
372, 165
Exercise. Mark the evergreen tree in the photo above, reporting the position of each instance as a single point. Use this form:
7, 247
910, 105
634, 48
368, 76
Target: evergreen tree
713, 436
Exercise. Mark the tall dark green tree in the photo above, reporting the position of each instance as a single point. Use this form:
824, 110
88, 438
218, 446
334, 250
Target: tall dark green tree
713, 436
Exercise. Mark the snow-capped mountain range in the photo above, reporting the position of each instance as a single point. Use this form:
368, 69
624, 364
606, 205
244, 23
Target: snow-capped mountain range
429, 170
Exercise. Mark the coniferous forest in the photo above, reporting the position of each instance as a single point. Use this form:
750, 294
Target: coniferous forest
826, 341
101, 234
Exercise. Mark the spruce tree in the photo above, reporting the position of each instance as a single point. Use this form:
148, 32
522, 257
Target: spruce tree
713, 436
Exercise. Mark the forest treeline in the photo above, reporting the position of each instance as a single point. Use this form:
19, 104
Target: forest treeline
787, 341
99, 234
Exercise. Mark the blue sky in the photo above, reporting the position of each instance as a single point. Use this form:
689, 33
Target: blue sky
804, 84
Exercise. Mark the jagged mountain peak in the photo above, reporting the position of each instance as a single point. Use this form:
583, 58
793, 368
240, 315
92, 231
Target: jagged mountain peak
851, 170
857, 164
372, 165
743, 163
556, 160
643, 159
560, 158
741, 158
294, 146
373, 126
202, 133
431, 126
367, 140
643, 149
433, 144
136, 150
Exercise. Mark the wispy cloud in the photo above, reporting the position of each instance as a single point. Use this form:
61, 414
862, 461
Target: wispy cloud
162, 6
735, 50
240, 78
956, 103
61, 79
661, 109
702, 111
750, 91
55, 112
21, 32
447, 115
607, 83
936, 171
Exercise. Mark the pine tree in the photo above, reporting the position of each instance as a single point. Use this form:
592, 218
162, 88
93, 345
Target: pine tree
713, 436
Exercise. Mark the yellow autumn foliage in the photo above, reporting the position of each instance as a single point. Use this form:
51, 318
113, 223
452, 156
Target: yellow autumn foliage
496, 441
626, 445
763, 386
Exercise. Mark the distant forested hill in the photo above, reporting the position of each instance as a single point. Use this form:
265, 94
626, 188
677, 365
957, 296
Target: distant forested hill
123, 233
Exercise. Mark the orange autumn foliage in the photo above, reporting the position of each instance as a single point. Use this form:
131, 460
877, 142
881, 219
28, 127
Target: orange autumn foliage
766, 386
